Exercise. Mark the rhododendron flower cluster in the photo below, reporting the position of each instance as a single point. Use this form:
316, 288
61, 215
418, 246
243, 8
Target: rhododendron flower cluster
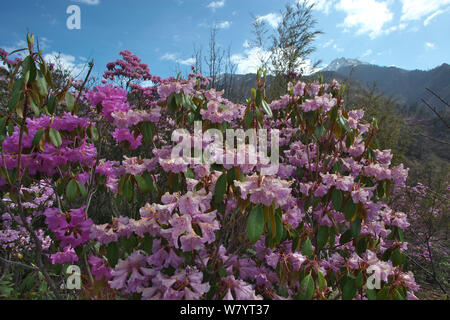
316, 228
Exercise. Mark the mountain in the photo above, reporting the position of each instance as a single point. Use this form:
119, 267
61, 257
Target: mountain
408, 87
337, 64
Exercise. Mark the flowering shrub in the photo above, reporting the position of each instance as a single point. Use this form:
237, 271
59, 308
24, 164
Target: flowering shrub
318, 227
427, 212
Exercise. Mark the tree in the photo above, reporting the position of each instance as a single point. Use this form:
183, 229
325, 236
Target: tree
292, 42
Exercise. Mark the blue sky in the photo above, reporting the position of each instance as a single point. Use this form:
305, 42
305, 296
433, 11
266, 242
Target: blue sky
410, 34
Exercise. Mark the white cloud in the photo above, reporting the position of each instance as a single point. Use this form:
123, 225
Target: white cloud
328, 43
89, 2
274, 19
246, 44
214, 5
322, 5
67, 62
367, 53
432, 16
223, 25
429, 46
250, 61
174, 57
331, 43
337, 48
417, 9
367, 16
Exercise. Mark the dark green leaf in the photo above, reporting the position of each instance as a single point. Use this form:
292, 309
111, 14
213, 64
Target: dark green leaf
112, 253
306, 288
349, 290
255, 224
307, 249
337, 198
220, 189
350, 210
71, 190
322, 237
345, 237
355, 227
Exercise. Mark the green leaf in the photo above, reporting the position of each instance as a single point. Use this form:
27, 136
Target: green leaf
16, 95
321, 280
266, 108
361, 246
343, 123
129, 243
55, 137
383, 294
112, 253
248, 119
345, 237
142, 184
258, 99
349, 290
350, 210
359, 280
148, 132
322, 237
93, 132
29, 69
3, 126
148, 244
255, 224
307, 249
41, 84
371, 294
51, 105
220, 189
81, 189
71, 190
337, 198
306, 288
70, 101
128, 190
320, 132
35, 108
355, 227
398, 259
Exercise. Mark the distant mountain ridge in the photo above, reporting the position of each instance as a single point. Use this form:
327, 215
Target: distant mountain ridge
408, 87
337, 64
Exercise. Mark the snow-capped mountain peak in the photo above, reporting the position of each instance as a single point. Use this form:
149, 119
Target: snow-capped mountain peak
337, 64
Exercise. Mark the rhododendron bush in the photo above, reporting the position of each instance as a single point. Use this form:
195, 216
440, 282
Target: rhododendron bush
316, 227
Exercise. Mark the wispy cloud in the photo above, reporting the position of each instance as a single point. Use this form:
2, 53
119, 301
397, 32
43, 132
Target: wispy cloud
273, 19
418, 9
174, 57
432, 16
223, 25
214, 5
367, 53
67, 62
251, 60
322, 5
430, 46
